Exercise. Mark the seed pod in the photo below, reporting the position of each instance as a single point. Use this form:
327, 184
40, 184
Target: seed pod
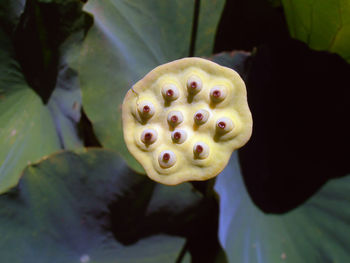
170, 92
200, 150
201, 117
175, 118
166, 159
192, 127
149, 136
224, 125
194, 85
179, 136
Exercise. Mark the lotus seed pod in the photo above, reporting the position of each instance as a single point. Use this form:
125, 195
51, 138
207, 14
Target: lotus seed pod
194, 135
170, 92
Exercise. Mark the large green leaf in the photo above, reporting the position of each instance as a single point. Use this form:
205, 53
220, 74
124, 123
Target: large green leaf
128, 39
322, 24
208, 20
90, 206
317, 231
27, 131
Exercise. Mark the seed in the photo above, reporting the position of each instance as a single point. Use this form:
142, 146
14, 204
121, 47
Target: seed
199, 116
146, 109
148, 136
216, 93
177, 135
194, 85
170, 93
199, 149
222, 125
166, 157
174, 119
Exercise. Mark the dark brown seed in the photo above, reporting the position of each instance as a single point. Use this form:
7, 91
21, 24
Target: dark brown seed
170, 93
166, 157
199, 149
193, 84
199, 116
174, 119
148, 136
216, 93
177, 136
146, 109
222, 125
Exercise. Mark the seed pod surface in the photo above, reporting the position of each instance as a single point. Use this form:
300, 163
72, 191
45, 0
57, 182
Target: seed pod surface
197, 114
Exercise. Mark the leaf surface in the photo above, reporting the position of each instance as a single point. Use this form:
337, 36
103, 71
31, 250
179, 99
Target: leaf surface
84, 207
317, 231
27, 131
323, 25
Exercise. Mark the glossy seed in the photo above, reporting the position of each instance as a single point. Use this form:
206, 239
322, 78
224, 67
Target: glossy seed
149, 136
224, 125
175, 118
201, 150
146, 109
179, 136
194, 85
166, 159
218, 94
170, 92
201, 117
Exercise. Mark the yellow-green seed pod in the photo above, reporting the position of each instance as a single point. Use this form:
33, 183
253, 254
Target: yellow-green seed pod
184, 119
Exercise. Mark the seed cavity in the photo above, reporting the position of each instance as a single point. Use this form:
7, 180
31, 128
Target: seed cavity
201, 117
149, 136
200, 150
194, 85
166, 159
175, 118
146, 109
170, 92
179, 136
224, 125
218, 94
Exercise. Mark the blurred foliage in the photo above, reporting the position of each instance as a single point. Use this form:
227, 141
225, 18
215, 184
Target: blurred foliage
65, 67
318, 231
323, 24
